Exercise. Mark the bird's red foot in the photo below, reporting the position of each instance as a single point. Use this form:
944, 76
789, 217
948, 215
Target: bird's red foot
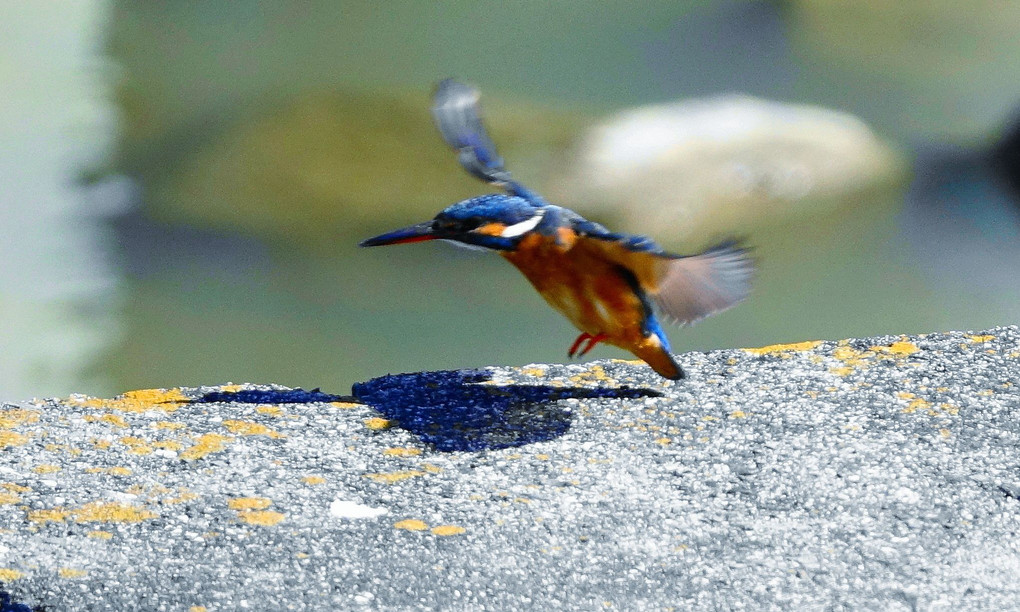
592, 341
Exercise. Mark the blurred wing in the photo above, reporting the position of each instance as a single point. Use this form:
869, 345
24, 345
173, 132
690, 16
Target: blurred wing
457, 114
685, 289
691, 288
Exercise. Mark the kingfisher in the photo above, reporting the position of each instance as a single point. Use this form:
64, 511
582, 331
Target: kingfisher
609, 285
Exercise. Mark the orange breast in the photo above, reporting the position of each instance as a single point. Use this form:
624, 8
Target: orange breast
588, 289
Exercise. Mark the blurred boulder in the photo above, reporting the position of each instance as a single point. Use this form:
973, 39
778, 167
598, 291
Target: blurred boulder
724, 165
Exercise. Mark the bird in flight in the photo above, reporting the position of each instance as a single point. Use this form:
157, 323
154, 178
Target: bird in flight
608, 284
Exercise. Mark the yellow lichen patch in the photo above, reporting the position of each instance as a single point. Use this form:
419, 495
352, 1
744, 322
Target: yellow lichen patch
377, 423
110, 419
16, 488
184, 496
111, 512
411, 525
205, 445
898, 348
536, 372
265, 518
851, 356
7, 499
313, 480
250, 428
16, 417
447, 530
431, 469
945, 433
345, 405
738, 414
663, 441
46, 468
197, 609
49, 515
119, 471
249, 503
542, 457
979, 339
101, 444
231, 388
98, 534
170, 445
594, 374
7, 574
270, 410
401, 452
70, 573
143, 400
783, 348
171, 425
904, 395
842, 371
916, 404
392, 477
9, 438
136, 445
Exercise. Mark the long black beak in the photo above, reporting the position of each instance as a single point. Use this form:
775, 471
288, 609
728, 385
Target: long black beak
414, 233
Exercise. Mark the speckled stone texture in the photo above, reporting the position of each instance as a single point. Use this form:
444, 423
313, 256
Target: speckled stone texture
881, 473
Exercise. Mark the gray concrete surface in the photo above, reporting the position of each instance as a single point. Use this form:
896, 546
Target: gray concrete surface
880, 474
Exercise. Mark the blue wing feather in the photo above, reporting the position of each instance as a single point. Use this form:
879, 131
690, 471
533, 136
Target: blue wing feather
458, 116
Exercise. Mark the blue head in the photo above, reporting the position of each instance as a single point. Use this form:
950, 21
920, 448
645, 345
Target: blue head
494, 221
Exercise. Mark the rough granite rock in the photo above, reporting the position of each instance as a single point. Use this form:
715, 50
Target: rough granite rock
880, 474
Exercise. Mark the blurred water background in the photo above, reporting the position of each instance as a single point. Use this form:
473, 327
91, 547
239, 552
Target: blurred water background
182, 185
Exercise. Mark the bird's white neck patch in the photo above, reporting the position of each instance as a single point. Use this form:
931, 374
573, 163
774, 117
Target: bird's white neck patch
523, 227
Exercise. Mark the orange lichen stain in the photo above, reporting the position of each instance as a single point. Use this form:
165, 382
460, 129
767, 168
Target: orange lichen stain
411, 525
393, 477
313, 480
16, 417
264, 518
69, 573
249, 503
16, 488
46, 468
171, 425
448, 530
110, 419
250, 428
917, 404
663, 441
136, 445
143, 400
900, 349
270, 410
111, 512
99, 535
738, 414
401, 452
783, 348
9, 438
979, 339
205, 445
7, 574
345, 405
7, 499
377, 424
49, 515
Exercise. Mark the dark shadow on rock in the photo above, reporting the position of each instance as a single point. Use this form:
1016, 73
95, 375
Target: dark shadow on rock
9, 605
272, 396
453, 412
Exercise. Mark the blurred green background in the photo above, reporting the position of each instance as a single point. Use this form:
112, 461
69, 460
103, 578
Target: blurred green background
184, 183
